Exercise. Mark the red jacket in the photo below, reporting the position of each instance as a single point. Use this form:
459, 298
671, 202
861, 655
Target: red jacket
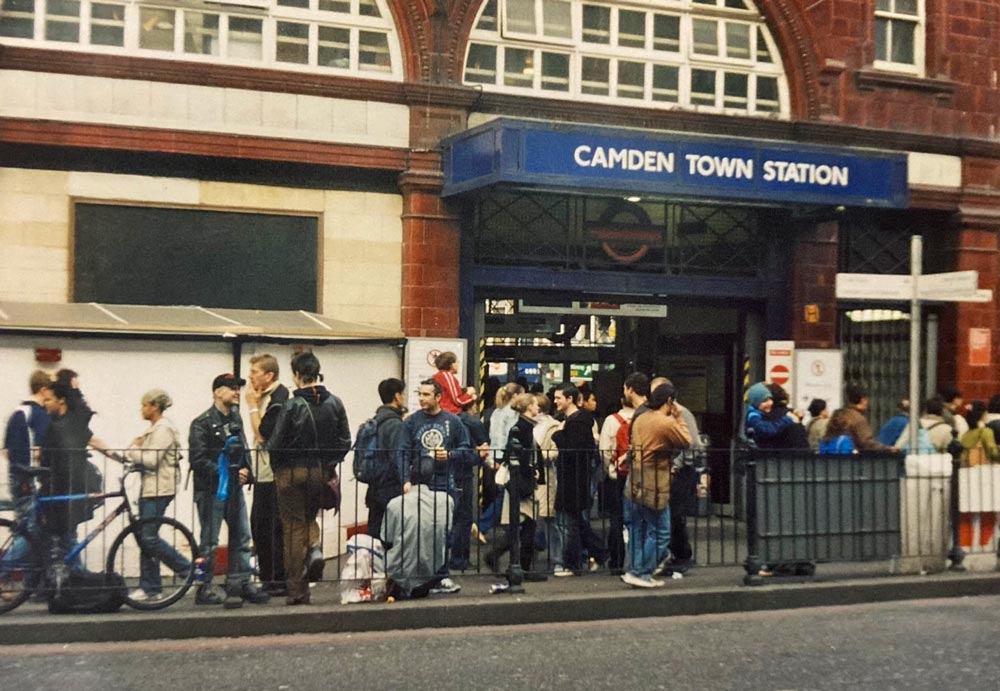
453, 396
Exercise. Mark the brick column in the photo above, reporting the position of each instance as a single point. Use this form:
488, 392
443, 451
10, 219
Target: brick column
814, 265
974, 246
431, 264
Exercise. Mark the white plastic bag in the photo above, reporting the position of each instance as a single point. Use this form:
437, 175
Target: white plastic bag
362, 578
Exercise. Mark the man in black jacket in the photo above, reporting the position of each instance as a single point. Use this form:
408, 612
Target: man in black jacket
310, 438
389, 421
221, 468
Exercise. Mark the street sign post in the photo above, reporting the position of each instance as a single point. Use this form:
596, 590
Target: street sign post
953, 286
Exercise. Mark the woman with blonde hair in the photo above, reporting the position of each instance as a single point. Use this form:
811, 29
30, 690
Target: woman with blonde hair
157, 449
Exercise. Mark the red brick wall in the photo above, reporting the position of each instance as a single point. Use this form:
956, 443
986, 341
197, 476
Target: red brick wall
814, 266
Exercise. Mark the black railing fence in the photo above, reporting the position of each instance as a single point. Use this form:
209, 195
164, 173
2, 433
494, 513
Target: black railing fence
780, 512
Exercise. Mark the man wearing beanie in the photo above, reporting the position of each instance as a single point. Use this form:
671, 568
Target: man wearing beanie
760, 428
221, 467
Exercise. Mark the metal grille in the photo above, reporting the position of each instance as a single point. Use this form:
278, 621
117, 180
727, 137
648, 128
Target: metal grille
588, 233
870, 246
876, 347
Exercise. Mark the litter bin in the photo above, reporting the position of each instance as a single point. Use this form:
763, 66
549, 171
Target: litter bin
923, 514
804, 508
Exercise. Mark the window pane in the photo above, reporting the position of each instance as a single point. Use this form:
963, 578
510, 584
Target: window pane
245, 38
107, 24
665, 83
594, 76
62, 20
557, 19
767, 94
596, 24
906, 7
519, 67
738, 41
881, 39
763, 52
883, 5
521, 16
488, 19
156, 29
201, 33
631, 79
368, 8
17, 18
631, 29
703, 87
735, 90
334, 47
292, 43
737, 4
481, 67
706, 36
555, 72
902, 41
667, 33
373, 51
343, 6
295, 3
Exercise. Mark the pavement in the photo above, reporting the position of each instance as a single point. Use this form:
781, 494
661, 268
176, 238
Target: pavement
594, 596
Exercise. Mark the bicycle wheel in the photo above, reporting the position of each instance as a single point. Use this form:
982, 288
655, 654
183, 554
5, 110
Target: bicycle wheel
19, 567
156, 558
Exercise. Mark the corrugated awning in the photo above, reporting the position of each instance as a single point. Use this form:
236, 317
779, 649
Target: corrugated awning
94, 318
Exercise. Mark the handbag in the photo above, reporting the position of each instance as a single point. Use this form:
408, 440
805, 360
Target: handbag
330, 494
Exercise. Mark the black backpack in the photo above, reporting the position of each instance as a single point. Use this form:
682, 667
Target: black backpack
86, 592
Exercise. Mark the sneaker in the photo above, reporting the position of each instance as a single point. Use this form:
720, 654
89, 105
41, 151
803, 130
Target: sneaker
593, 565
314, 565
207, 595
445, 587
631, 579
140, 595
562, 572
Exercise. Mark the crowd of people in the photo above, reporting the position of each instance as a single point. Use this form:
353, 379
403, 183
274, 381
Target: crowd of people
534, 462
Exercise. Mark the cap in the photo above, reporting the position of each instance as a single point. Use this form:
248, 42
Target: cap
757, 394
228, 379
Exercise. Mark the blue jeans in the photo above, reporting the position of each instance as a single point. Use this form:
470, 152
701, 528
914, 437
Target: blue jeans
554, 538
646, 528
211, 513
491, 514
155, 549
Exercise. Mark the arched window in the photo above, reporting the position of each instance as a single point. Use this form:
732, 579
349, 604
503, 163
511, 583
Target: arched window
705, 55
355, 37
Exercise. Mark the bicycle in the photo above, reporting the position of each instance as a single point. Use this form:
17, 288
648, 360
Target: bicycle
26, 564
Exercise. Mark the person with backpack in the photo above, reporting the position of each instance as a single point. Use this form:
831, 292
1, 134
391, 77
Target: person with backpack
376, 466
935, 433
837, 438
614, 445
310, 439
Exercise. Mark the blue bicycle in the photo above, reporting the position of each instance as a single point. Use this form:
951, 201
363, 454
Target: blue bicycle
155, 555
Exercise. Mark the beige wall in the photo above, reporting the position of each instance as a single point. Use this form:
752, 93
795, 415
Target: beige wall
361, 233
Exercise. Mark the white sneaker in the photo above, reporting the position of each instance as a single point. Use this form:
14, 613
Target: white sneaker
637, 582
139, 595
561, 572
446, 587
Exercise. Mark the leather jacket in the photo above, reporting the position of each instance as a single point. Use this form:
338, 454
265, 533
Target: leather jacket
206, 440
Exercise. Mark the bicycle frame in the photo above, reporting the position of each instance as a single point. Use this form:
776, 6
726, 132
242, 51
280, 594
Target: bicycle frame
124, 507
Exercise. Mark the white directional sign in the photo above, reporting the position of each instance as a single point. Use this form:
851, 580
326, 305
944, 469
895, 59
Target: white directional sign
954, 286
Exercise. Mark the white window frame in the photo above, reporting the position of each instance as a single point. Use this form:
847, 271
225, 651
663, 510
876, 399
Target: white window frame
684, 59
268, 11
918, 67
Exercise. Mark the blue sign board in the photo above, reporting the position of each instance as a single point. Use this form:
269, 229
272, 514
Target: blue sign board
564, 157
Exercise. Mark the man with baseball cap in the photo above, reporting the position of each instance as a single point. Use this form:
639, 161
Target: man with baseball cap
221, 467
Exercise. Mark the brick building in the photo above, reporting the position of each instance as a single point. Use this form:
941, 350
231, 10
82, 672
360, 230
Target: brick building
312, 131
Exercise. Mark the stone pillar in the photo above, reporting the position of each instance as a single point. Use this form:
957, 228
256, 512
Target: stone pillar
974, 245
812, 294
431, 258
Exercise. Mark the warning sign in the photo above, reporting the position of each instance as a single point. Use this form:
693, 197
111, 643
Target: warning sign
779, 375
779, 363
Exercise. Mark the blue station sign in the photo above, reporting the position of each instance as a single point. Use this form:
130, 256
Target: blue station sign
569, 157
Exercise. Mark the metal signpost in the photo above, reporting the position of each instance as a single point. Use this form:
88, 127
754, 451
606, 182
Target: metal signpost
954, 286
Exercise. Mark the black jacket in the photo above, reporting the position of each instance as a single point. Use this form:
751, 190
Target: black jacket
390, 431
577, 452
311, 429
207, 437
521, 443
